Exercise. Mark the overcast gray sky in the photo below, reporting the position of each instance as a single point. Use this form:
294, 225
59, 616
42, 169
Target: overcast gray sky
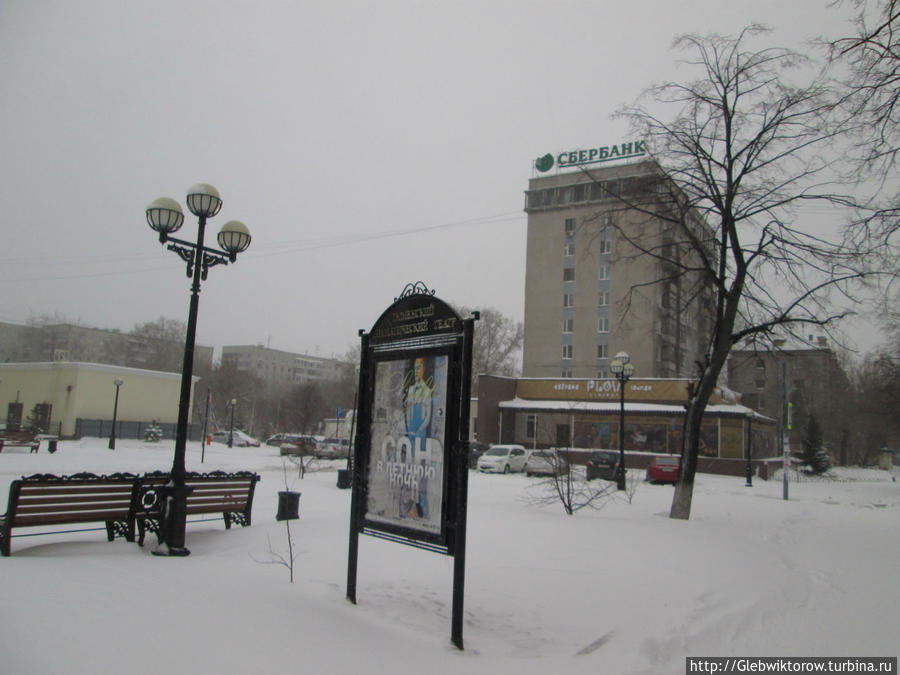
365, 145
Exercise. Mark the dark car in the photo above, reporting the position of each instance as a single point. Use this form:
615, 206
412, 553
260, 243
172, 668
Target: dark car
476, 450
663, 469
602, 464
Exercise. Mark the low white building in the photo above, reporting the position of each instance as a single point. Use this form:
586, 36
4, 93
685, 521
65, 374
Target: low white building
88, 391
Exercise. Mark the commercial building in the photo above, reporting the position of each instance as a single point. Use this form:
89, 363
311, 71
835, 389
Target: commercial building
65, 394
584, 414
604, 273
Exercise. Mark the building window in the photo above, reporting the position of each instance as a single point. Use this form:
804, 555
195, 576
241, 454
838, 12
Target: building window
760, 384
568, 299
570, 227
530, 426
605, 246
569, 248
567, 373
603, 299
601, 374
568, 325
602, 351
603, 324
611, 187
568, 274
567, 351
604, 272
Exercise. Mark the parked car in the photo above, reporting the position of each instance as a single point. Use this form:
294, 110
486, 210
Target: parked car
503, 459
476, 450
239, 439
328, 449
545, 463
663, 469
297, 445
602, 464
339, 448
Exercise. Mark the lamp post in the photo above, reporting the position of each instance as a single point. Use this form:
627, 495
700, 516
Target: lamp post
166, 217
112, 434
231, 404
623, 369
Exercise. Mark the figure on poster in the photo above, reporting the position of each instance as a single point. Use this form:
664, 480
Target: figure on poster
418, 409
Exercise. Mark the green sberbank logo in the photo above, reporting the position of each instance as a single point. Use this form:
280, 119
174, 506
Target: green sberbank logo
606, 153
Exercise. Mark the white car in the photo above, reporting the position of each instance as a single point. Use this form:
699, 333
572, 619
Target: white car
503, 459
545, 463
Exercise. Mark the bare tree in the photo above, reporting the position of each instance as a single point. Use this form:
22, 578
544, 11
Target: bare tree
497, 344
872, 84
162, 344
743, 149
871, 103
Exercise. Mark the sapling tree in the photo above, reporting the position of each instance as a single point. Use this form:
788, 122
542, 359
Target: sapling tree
814, 454
276, 557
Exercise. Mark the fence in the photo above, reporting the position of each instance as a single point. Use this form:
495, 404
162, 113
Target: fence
126, 429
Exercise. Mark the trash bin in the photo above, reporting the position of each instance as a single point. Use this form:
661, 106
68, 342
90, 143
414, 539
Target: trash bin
288, 505
51, 445
344, 478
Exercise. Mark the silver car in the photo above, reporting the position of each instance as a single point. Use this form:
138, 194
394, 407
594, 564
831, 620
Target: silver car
503, 459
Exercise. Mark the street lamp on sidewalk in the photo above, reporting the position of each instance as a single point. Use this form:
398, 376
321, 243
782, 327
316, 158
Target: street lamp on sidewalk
166, 217
623, 369
112, 434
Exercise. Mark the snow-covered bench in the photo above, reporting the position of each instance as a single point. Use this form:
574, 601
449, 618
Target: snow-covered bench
46, 500
24, 439
229, 494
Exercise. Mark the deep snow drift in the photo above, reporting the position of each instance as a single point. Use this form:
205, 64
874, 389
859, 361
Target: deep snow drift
623, 589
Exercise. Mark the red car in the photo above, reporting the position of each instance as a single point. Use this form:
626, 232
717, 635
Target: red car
663, 469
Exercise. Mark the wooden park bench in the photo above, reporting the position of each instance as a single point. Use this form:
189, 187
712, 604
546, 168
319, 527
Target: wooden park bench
228, 494
25, 439
48, 500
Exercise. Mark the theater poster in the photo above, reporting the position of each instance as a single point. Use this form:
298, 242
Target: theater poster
407, 437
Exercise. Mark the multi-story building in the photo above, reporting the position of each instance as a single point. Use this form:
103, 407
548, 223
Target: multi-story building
69, 342
603, 275
280, 369
808, 376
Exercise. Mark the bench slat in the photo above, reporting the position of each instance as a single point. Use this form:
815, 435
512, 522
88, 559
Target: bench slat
85, 508
29, 500
63, 490
67, 518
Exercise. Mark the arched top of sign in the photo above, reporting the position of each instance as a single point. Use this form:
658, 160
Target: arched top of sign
417, 319
417, 288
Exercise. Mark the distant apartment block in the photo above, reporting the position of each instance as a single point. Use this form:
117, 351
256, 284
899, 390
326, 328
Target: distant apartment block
65, 342
279, 368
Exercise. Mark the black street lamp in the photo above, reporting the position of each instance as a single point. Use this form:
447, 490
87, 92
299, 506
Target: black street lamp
112, 434
231, 404
166, 217
623, 369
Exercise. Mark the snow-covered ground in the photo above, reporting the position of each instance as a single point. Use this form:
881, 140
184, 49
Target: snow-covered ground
623, 589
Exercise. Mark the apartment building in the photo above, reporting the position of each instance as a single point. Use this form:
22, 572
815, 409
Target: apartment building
280, 369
